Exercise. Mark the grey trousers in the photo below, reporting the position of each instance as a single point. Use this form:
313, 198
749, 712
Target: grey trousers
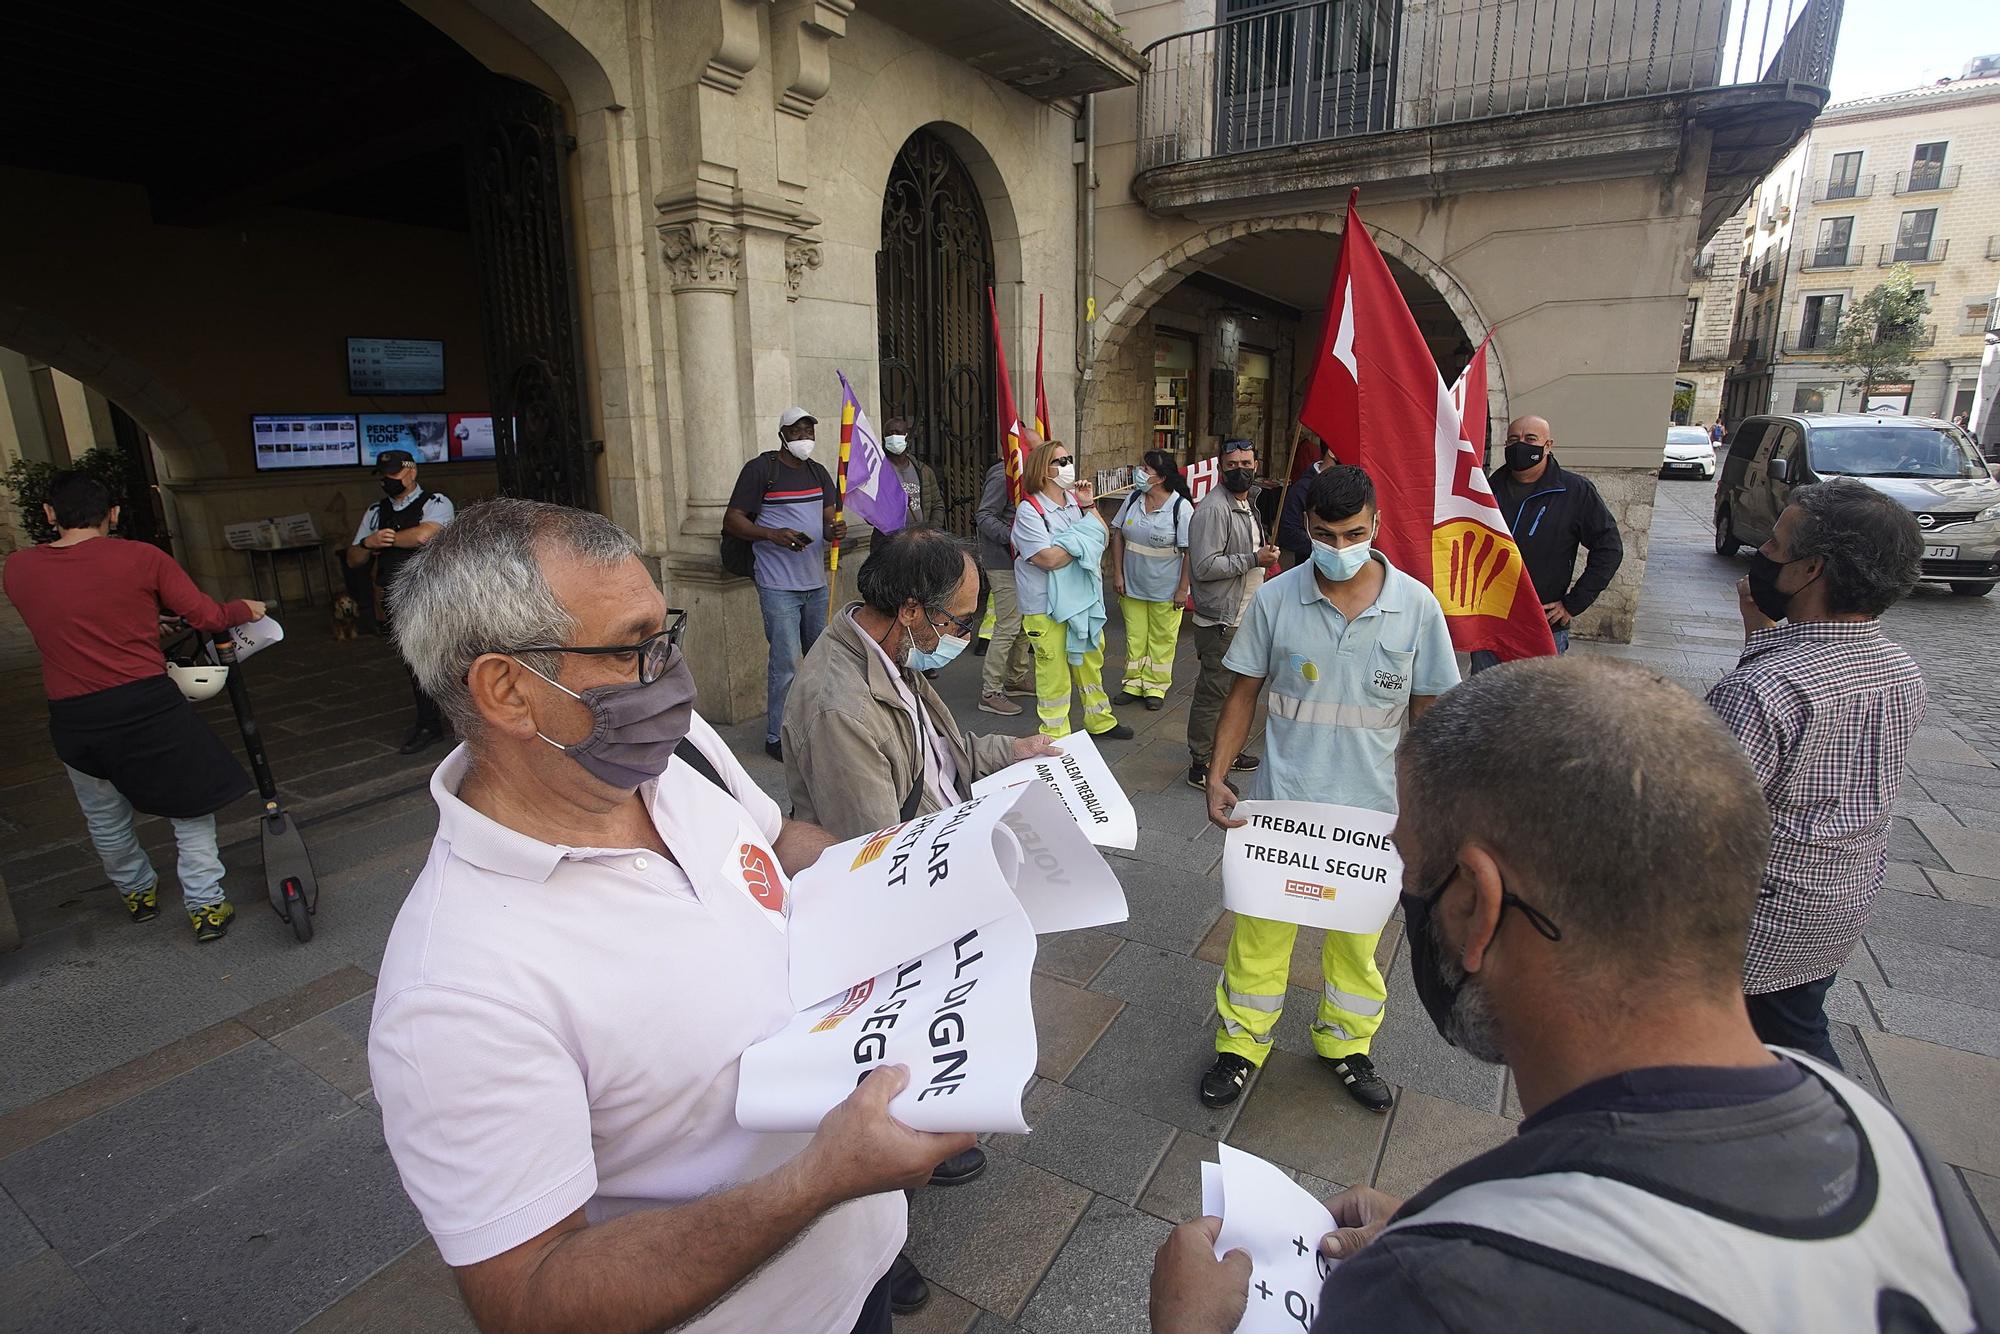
1211, 687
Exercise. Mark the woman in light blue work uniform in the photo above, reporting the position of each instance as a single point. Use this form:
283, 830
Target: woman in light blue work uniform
1149, 570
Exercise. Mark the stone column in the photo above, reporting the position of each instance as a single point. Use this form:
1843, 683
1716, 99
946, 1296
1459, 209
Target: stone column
704, 263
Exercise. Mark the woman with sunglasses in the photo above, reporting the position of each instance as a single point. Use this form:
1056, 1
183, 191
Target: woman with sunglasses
1149, 570
1059, 542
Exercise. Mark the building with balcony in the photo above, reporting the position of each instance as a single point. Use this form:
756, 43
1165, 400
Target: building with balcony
623, 235
1709, 329
1541, 171
1908, 178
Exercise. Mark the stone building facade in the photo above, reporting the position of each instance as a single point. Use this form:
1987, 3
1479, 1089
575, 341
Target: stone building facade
1709, 328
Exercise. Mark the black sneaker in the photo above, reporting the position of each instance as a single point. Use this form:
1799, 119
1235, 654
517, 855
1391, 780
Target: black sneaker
1119, 733
1154, 703
1358, 1077
420, 738
1124, 697
907, 1290
775, 750
1223, 1083
1244, 763
959, 1168
143, 904
1198, 777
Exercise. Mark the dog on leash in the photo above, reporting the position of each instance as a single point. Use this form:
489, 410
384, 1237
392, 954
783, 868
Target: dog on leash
346, 618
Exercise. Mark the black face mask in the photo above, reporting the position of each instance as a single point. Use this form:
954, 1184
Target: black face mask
1239, 480
1522, 456
1437, 995
1764, 589
391, 487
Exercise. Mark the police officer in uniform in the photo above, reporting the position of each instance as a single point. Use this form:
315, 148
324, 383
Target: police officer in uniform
391, 532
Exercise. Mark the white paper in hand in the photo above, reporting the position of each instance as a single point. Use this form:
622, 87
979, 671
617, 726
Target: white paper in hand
874, 902
959, 1017
1314, 864
1278, 1224
254, 636
1083, 782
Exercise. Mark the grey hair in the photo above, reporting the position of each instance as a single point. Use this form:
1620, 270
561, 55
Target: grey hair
478, 586
1871, 545
918, 563
1636, 825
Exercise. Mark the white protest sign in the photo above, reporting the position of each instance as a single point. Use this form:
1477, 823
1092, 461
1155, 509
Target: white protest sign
1082, 780
253, 636
959, 1017
1317, 865
885, 898
1278, 1224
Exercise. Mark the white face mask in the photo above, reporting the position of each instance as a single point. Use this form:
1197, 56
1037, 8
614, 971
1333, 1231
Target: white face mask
1066, 475
895, 444
1142, 480
801, 449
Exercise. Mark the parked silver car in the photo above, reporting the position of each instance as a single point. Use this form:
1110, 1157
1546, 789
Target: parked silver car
1689, 453
1931, 467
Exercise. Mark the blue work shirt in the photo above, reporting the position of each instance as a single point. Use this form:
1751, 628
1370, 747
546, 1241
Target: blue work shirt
1338, 691
1150, 576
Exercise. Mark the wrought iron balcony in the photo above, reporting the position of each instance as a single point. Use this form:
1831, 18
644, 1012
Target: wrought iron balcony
1332, 69
1829, 191
1913, 252
1917, 182
1747, 350
1832, 257
1810, 341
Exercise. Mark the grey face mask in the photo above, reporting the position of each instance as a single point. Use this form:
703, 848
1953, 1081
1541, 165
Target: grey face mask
637, 727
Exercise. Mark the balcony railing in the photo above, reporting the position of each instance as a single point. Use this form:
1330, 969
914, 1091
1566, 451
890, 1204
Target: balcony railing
1993, 247
1704, 266
1747, 349
1913, 252
1330, 69
1810, 340
1917, 182
1831, 257
1827, 191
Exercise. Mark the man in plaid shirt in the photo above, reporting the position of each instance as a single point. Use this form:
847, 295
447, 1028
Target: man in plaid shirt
1825, 706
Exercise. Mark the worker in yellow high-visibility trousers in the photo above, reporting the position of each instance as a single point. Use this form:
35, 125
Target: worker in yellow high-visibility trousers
1345, 647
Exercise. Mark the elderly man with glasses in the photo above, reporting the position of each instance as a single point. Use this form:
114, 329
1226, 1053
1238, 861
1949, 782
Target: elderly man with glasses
868, 742
597, 936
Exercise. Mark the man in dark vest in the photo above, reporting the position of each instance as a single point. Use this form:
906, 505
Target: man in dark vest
391, 531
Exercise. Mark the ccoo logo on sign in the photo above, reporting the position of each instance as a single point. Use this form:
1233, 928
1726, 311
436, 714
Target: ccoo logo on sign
1305, 889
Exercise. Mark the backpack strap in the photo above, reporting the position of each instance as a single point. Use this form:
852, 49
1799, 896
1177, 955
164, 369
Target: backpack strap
690, 753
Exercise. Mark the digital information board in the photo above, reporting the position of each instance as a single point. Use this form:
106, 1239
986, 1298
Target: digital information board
395, 366
305, 440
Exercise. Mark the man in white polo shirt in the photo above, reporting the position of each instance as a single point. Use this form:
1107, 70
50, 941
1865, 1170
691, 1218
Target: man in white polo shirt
598, 935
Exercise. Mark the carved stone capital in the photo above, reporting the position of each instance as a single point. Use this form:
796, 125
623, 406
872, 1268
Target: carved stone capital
801, 253
701, 256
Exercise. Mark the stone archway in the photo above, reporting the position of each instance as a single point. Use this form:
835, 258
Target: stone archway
1126, 312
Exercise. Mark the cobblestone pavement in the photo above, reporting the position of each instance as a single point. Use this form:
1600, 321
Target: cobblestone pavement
187, 1138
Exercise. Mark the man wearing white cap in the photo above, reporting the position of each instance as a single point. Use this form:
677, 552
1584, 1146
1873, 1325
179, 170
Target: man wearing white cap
784, 505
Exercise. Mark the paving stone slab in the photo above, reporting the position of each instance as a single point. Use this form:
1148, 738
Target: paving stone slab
1935, 772
1936, 921
315, 997
1935, 743
1845, 1003
330, 1052
1975, 818
1430, 1136
1408, 1050
1141, 974
1907, 877
19, 1238
1966, 851
1861, 965
1932, 1019
1846, 1039
1154, 1062
1068, 1021
1908, 844
1985, 1193
1171, 908
1910, 808
43, 1295
991, 1240
1035, 1102
120, 1171
1966, 888
1074, 956
1937, 970
945, 1313
1961, 797
1110, 1148
37, 1121
1297, 1115
1101, 1278
415, 1291
988, 1323
1174, 1193
1946, 1094
278, 1244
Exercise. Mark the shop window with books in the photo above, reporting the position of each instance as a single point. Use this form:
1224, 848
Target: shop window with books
1173, 391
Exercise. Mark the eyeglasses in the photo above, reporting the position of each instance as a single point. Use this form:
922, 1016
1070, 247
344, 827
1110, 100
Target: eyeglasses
654, 652
1544, 925
966, 629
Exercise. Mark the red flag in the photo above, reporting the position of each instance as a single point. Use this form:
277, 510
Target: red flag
1011, 451
1468, 396
1375, 396
1041, 394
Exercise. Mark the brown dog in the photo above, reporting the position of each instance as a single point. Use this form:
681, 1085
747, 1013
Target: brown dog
346, 618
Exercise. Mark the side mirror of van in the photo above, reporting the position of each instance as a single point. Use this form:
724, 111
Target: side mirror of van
1781, 470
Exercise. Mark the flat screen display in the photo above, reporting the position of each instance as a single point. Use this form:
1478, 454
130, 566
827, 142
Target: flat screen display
395, 366
305, 440
471, 435
421, 433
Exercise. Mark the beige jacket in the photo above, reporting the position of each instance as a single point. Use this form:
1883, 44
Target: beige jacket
851, 752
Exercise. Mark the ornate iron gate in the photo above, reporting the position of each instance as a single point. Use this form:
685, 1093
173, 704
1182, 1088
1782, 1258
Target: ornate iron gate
931, 277
515, 149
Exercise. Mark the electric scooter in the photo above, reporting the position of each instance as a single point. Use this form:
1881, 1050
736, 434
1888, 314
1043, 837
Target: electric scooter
288, 868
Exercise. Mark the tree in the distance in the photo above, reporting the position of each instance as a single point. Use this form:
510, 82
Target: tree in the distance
1880, 335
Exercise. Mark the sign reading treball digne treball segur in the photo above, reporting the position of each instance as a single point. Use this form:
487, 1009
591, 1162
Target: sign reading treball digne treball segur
1314, 864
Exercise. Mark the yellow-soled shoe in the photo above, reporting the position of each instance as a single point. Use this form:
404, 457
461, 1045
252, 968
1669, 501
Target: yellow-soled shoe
211, 922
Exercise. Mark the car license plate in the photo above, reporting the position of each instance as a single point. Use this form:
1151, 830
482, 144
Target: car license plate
1940, 553
1691, 467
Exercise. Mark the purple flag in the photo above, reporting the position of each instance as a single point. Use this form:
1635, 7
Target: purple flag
869, 485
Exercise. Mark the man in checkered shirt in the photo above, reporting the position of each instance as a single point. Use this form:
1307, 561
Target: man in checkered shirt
1825, 706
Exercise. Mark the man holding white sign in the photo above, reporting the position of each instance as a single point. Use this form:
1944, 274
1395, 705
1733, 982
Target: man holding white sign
1347, 647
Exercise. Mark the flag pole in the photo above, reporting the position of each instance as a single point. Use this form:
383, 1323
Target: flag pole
839, 502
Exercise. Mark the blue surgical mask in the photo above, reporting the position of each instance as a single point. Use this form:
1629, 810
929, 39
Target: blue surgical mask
895, 444
1142, 480
929, 660
1340, 563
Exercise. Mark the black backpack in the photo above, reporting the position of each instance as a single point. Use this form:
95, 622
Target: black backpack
736, 557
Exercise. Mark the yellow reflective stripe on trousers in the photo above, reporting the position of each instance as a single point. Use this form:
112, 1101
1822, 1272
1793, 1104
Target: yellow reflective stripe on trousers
1268, 1004
1329, 713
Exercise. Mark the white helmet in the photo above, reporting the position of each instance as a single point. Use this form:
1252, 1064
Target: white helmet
199, 682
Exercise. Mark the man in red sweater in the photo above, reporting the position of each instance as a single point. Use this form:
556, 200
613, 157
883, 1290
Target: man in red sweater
126, 734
